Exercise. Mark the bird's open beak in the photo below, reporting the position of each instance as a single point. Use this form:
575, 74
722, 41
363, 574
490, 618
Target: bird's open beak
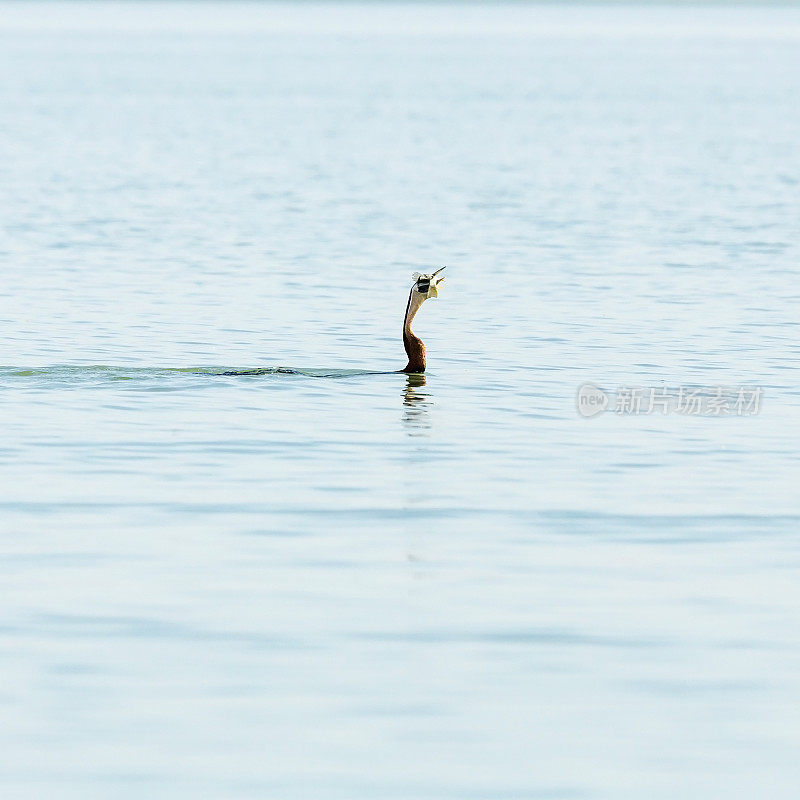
436, 283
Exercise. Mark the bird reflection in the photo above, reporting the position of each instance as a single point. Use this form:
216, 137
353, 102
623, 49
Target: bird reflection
417, 404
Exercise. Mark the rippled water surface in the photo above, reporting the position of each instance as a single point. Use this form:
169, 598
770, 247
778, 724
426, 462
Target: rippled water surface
327, 580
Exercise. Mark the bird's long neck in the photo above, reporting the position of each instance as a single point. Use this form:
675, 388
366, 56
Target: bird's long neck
415, 349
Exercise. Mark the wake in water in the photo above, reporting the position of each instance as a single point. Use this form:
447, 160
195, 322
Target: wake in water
114, 373
309, 373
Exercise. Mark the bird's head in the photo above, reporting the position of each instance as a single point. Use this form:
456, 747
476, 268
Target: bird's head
427, 285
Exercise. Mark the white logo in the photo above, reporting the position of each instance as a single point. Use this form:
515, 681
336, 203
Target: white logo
591, 400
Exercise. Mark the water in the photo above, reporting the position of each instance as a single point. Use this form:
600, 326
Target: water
329, 584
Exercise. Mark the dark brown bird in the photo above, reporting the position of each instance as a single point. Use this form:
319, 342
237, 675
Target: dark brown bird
425, 286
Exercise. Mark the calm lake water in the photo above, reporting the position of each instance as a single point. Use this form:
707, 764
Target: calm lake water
369, 586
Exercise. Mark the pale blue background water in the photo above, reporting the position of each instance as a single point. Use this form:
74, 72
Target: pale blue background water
295, 587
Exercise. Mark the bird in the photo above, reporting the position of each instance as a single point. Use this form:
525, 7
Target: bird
425, 286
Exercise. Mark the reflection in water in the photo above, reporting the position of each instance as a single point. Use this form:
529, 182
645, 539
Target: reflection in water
417, 403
